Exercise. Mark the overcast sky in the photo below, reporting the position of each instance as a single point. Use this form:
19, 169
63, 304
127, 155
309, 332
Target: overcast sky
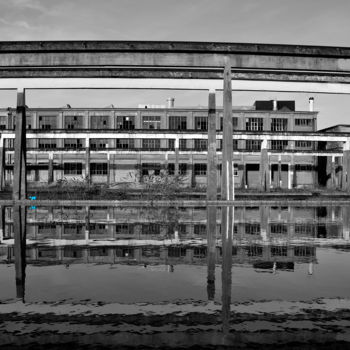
309, 22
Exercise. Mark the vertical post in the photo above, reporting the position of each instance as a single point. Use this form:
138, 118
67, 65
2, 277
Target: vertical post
212, 162
50, 170
227, 188
19, 176
176, 171
264, 168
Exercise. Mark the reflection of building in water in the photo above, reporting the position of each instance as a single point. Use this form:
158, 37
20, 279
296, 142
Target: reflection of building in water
262, 235
264, 223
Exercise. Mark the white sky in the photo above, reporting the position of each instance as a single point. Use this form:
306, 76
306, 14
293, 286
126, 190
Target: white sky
308, 22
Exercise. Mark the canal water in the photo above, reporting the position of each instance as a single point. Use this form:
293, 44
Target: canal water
258, 276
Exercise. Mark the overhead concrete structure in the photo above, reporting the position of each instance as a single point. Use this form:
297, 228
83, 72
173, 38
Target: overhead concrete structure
26, 65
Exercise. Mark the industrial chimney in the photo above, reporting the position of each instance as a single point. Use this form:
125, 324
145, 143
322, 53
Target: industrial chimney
311, 104
170, 102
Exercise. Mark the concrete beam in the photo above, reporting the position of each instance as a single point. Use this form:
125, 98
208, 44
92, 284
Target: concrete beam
336, 86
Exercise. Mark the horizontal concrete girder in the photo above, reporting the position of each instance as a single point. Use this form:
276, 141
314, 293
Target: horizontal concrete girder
172, 84
173, 60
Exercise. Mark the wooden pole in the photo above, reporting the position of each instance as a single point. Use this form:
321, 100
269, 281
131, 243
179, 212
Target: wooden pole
227, 189
212, 161
19, 176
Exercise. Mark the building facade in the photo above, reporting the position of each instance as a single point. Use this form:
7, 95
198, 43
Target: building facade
116, 146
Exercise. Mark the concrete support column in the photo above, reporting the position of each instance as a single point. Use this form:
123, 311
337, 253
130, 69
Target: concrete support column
264, 167
227, 188
212, 161
50, 171
20, 174
87, 160
176, 172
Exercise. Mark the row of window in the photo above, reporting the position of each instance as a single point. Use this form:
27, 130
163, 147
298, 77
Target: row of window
177, 252
154, 122
199, 144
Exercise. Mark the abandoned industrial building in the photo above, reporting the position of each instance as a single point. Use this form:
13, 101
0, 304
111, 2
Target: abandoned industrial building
123, 145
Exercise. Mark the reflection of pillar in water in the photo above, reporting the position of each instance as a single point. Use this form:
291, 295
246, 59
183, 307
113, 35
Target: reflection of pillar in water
2, 223
19, 227
346, 221
211, 256
311, 268
87, 223
264, 212
274, 267
227, 215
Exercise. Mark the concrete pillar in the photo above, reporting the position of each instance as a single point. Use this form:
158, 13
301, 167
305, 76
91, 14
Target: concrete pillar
212, 161
50, 170
20, 174
264, 168
227, 188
